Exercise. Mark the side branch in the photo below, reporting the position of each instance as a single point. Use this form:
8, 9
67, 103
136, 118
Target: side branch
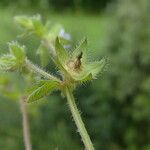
25, 124
39, 71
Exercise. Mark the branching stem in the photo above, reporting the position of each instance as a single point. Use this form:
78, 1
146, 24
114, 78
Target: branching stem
77, 118
39, 71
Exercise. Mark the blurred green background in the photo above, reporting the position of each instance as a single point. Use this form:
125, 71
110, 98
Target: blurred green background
116, 107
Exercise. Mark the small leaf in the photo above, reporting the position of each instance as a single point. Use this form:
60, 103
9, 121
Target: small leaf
7, 63
31, 24
18, 51
38, 26
25, 22
62, 54
42, 89
36, 86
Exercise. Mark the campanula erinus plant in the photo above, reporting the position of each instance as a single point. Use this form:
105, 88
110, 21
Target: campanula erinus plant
73, 65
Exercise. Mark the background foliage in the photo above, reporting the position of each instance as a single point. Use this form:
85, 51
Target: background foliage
115, 107
59, 5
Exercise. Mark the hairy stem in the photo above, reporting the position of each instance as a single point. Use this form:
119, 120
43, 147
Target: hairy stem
25, 124
39, 71
49, 46
79, 123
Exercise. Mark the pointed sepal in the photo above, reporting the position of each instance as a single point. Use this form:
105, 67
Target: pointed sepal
61, 52
97, 67
81, 48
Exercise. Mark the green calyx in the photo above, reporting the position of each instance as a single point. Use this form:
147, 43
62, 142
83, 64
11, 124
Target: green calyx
74, 68
76, 63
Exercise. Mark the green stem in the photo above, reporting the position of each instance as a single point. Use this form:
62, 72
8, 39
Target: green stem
25, 124
49, 46
79, 123
37, 70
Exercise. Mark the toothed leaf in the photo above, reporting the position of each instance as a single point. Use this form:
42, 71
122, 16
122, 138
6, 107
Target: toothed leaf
42, 89
36, 86
7, 63
25, 22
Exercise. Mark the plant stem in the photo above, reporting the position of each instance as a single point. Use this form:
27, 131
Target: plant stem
49, 46
25, 124
37, 70
77, 118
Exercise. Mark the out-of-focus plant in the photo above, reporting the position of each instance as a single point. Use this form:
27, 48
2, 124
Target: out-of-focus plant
74, 68
127, 43
14, 61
